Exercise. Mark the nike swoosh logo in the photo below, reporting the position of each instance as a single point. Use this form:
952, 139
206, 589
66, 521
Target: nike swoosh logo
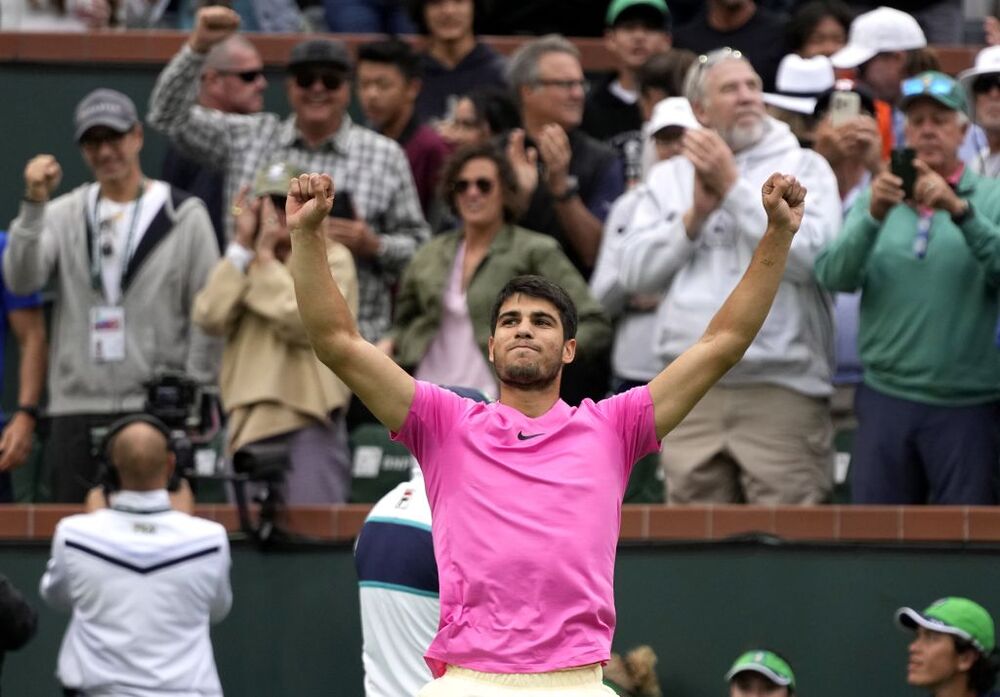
523, 436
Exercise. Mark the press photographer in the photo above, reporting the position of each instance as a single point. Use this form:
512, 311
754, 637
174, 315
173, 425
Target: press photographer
125, 256
189, 420
135, 631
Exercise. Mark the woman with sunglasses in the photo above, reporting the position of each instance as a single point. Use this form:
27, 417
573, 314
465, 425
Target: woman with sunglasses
441, 325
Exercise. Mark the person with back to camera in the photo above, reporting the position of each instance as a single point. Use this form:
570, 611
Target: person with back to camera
142, 581
555, 475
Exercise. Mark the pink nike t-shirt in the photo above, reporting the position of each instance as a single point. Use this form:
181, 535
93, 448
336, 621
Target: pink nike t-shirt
525, 523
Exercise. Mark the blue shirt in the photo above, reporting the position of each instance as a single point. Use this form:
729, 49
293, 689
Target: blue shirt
11, 302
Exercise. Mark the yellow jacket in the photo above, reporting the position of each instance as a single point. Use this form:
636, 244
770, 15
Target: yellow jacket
271, 380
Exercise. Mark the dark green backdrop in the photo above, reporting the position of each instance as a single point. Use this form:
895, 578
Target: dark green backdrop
294, 627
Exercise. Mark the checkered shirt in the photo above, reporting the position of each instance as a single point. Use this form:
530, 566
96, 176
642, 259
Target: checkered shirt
372, 167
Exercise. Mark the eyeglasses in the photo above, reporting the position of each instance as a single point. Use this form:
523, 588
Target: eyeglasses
307, 78
247, 76
484, 185
986, 83
95, 138
939, 85
563, 84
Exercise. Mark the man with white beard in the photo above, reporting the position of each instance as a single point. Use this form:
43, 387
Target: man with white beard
763, 434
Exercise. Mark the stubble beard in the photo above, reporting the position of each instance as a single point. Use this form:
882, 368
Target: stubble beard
530, 377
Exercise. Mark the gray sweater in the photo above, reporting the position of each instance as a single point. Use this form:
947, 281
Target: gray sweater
50, 243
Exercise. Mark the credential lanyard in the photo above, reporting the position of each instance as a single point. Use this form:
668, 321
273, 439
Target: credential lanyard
128, 251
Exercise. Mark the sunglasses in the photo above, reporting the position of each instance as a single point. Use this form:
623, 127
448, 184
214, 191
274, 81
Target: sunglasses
307, 78
938, 85
484, 185
986, 83
95, 138
246, 76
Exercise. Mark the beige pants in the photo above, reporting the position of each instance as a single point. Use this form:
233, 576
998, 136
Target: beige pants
461, 682
757, 444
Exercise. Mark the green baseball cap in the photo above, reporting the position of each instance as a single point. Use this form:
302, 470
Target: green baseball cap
618, 6
767, 663
942, 88
959, 617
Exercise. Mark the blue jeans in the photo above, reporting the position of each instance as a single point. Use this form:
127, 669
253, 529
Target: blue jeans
913, 453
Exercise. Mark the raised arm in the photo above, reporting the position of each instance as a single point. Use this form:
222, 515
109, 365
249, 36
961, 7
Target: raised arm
207, 135
32, 249
681, 384
385, 388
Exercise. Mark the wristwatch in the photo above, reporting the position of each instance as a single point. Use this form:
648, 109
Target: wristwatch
572, 189
31, 411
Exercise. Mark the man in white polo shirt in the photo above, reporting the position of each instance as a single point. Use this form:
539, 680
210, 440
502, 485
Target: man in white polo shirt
142, 581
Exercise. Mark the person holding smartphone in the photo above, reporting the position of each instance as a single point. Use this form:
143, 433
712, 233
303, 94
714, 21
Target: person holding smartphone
927, 263
274, 390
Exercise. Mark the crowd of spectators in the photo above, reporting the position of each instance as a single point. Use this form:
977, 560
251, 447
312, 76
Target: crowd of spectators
636, 191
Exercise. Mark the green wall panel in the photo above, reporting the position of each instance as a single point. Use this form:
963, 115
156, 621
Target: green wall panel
294, 628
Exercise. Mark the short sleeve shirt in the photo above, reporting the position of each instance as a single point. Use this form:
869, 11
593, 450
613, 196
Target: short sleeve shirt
526, 519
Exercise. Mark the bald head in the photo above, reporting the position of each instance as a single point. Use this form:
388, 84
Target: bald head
141, 455
225, 54
232, 78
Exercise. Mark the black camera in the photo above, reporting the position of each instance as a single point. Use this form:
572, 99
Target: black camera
176, 406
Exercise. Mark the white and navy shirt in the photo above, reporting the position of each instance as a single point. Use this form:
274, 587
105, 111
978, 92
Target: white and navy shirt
143, 583
398, 576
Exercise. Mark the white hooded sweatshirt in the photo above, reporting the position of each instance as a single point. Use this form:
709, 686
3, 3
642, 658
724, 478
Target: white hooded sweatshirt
794, 348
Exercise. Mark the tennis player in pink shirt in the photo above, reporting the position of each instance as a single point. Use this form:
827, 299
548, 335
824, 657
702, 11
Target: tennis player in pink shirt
526, 492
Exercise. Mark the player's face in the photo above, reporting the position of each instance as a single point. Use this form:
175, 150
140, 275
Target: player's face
527, 347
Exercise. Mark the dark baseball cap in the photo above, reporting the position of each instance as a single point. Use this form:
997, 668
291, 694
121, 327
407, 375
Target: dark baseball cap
320, 51
104, 107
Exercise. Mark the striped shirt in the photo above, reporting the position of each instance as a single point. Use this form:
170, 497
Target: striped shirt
373, 168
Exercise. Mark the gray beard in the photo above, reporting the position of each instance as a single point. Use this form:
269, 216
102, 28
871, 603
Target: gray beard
743, 137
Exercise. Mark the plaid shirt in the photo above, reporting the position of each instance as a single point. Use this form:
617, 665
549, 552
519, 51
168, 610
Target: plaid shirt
372, 167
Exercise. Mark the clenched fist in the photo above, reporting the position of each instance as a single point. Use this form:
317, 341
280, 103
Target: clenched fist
784, 201
212, 24
42, 175
310, 198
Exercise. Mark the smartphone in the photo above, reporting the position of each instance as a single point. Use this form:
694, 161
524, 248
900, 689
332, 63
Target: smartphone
902, 166
844, 106
343, 206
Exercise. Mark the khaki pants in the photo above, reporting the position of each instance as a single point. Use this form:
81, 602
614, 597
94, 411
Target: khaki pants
461, 682
756, 444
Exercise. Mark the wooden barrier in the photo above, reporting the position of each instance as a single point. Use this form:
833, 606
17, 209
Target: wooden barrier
959, 524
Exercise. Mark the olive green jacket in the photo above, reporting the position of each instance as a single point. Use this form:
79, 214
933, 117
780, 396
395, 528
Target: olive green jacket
515, 251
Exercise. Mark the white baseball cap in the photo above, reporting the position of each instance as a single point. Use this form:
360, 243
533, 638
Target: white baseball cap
672, 111
799, 81
987, 62
881, 30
